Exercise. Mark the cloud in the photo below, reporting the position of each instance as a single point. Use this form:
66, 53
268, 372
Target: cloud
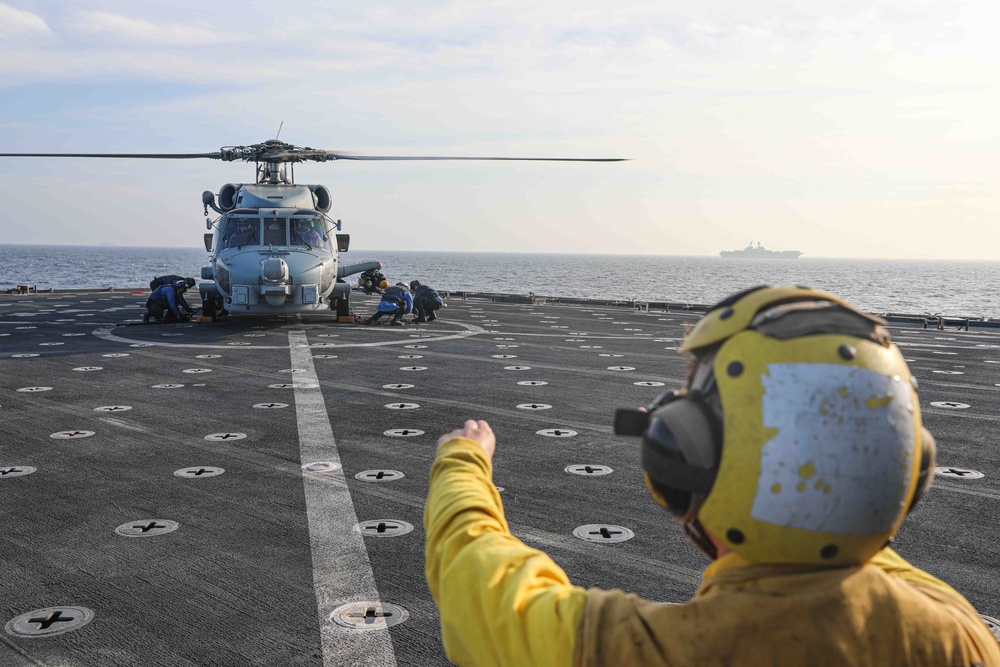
127, 29
18, 22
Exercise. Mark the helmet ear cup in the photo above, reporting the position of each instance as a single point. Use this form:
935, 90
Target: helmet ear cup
928, 454
680, 455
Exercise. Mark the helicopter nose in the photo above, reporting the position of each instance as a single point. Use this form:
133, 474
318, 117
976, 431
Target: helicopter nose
274, 270
274, 279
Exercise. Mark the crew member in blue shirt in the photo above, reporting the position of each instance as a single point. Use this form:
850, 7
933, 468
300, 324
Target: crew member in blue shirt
166, 303
396, 301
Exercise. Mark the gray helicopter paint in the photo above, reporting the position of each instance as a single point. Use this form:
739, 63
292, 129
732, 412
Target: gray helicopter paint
33, 390
402, 432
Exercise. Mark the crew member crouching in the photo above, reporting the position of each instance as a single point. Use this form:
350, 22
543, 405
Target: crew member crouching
166, 303
426, 300
396, 301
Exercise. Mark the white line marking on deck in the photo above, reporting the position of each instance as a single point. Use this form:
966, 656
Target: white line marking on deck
342, 572
105, 333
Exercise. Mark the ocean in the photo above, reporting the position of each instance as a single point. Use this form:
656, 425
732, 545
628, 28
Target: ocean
954, 288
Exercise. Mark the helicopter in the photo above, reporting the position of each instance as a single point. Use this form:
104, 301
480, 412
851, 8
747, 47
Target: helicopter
274, 248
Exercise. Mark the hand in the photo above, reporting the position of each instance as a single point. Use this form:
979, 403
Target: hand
477, 431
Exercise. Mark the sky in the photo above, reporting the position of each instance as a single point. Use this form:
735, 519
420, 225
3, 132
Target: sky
848, 129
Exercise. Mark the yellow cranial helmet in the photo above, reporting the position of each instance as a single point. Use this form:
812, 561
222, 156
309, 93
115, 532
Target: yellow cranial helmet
797, 437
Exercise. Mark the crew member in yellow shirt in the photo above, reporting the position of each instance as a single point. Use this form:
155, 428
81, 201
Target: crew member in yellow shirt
790, 457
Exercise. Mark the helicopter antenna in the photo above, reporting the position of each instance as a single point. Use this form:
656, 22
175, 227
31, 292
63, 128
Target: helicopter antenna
279, 130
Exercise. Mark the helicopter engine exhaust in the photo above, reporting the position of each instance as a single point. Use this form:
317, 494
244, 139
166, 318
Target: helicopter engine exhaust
228, 196
322, 196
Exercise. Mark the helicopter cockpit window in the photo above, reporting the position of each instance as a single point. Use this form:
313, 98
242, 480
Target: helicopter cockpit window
241, 232
274, 231
309, 232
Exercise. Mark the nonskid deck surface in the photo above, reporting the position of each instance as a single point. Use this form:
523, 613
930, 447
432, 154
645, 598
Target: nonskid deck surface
325, 434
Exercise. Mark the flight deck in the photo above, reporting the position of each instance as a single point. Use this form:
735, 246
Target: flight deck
251, 491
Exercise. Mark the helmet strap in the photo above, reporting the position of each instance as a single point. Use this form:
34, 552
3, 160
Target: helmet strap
696, 533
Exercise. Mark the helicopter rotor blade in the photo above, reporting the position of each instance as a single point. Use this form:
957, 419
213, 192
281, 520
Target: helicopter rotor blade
160, 156
349, 156
274, 150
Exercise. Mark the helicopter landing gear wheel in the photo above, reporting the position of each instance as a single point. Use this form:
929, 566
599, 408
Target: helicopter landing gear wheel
208, 308
342, 306
212, 307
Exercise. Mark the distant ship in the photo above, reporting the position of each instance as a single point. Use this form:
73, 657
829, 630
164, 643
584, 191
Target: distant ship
760, 252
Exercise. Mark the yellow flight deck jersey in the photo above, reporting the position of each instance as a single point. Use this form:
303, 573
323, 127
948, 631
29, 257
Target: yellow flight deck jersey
504, 603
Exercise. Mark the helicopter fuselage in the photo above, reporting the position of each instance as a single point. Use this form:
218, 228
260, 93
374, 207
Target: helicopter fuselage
275, 250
